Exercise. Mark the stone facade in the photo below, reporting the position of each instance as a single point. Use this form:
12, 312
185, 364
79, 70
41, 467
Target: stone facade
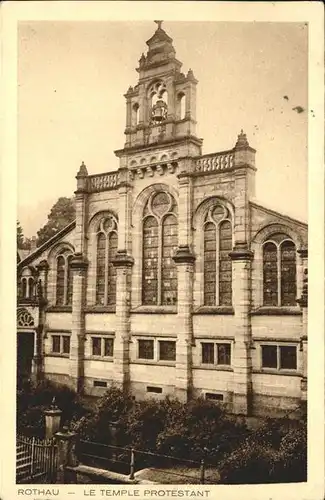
187, 305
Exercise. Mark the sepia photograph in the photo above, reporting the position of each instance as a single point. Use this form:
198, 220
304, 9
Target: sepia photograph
162, 234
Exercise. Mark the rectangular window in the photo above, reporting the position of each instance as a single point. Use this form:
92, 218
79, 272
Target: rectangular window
157, 390
56, 343
96, 346
167, 350
269, 356
65, 344
281, 357
61, 344
108, 347
214, 397
224, 354
100, 383
146, 349
208, 353
288, 357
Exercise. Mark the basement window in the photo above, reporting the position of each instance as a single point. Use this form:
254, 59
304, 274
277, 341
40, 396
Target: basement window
213, 397
100, 383
157, 390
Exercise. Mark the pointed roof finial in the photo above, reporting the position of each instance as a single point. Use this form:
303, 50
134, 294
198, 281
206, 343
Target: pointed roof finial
159, 23
83, 172
242, 141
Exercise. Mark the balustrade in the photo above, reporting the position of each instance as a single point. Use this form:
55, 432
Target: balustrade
103, 182
212, 163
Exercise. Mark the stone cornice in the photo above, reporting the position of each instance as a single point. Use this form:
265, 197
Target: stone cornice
158, 145
241, 252
122, 259
79, 262
303, 252
184, 255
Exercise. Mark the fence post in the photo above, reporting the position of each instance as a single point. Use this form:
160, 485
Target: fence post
32, 457
132, 464
66, 454
202, 471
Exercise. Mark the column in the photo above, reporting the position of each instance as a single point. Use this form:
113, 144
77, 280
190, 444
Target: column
303, 302
123, 262
184, 260
38, 359
242, 364
79, 267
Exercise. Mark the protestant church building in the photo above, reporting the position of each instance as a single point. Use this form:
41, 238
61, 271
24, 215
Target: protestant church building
172, 280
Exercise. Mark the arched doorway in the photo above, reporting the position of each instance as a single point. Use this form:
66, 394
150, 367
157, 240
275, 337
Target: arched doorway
25, 353
25, 345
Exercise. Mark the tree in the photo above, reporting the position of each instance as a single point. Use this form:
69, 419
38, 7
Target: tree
62, 213
20, 235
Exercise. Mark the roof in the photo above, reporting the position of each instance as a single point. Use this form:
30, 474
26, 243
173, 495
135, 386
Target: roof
279, 214
30, 257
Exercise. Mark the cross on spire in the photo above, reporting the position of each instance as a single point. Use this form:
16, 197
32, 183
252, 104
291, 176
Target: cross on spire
159, 23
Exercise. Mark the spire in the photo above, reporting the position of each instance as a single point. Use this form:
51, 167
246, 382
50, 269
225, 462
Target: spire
242, 141
83, 172
159, 23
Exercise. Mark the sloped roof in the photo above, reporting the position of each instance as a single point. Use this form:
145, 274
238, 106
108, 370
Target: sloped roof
278, 214
25, 261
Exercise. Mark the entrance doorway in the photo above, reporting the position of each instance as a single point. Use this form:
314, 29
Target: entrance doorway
25, 353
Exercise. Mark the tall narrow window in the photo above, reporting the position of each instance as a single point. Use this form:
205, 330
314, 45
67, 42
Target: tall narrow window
181, 106
106, 251
135, 114
288, 273
64, 279
279, 271
60, 273
217, 263
160, 239
270, 271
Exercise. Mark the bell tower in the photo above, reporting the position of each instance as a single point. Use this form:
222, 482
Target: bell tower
161, 107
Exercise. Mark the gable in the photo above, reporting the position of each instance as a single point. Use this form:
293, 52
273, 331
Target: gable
65, 236
262, 217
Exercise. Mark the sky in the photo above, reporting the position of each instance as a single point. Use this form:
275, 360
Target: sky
71, 108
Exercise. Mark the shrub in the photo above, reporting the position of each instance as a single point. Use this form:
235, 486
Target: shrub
277, 452
33, 399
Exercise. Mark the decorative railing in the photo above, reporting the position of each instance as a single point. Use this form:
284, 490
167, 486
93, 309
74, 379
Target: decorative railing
36, 459
103, 182
215, 162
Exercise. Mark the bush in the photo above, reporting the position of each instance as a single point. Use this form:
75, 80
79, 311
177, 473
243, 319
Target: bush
33, 399
277, 452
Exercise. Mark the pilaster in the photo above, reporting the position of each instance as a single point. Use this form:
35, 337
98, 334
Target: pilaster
242, 363
123, 263
303, 302
184, 260
37, 367
79, 267
81, 210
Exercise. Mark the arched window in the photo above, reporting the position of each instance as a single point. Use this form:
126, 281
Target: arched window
160, 239
63, 278
279, 271
105, 270
135, 114
158, 99
217, 263
27, 285
181, 106
24, 288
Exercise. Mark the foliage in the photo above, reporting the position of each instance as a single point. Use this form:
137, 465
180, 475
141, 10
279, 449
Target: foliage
277, 452
20, 235
62, 213
22, 243
32, 400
